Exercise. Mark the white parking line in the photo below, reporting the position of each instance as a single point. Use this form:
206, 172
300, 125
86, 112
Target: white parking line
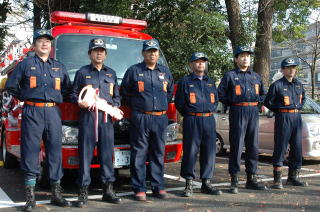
6, 202
268, 164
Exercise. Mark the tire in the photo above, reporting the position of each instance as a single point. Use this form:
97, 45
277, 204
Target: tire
219, 146
9, 161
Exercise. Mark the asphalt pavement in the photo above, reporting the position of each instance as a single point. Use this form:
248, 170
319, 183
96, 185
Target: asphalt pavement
288, 199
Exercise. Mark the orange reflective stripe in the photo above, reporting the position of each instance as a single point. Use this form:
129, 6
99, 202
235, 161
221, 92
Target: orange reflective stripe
212, 98
286, 100
288, 110
141, 86
57, 84
156, 113
201, 114
257, 89
165, 84
192, 97
300, 98
40, 104
111, 89
33, 81
238, 90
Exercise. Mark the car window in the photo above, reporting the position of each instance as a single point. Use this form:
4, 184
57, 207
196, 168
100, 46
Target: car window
310, 107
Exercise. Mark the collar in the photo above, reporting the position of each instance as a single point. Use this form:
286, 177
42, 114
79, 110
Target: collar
294, 80
144, 67
92, 68
194, 76
249, 71
38, 59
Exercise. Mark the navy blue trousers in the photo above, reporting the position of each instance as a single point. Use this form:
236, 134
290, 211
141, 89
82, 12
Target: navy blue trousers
147, 142
244, 129
287, 128
87, 143
41, 123
199, 133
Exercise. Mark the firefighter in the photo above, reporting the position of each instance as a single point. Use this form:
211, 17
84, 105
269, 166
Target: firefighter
196, 100
103, 78
242, 90
41, 82
285, 98
148, 88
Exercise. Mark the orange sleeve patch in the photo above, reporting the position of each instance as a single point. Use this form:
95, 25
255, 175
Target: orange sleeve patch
257, 88
286, 100
57, 83
111, 89
192, 97
238, 90
33, 81
165, 85
212, 98
140, 86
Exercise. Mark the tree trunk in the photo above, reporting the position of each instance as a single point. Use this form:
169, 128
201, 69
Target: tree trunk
313, 80
236, 32
36, 16
264, 40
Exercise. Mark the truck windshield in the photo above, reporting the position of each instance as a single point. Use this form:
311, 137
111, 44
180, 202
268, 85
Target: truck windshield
72, 51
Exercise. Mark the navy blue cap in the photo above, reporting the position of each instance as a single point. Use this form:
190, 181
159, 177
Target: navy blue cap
42, 33
289, 62
197, 56
241, 49
150, 44
97, 43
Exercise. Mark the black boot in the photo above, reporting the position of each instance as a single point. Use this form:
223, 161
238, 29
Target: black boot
30, 199
109, 195
293, 178
234, 184
277, 182
188, 191
207, 188
82, 197
252, 183
56, 197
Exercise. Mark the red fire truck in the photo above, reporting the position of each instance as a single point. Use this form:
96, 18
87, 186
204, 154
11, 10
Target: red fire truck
72, 33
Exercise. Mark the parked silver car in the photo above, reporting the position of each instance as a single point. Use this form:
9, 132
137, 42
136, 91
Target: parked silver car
310, 133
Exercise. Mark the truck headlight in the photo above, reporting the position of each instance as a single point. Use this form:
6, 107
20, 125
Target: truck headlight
313, 130
69, 135
172, 132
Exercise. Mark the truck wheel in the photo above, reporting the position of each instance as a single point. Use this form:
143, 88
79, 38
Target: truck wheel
219, 146
43, 179
9, 161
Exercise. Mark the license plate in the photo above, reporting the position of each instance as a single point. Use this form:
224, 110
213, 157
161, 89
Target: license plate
121, 158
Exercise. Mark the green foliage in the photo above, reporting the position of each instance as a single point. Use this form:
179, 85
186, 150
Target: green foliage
292, 17
186, 26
